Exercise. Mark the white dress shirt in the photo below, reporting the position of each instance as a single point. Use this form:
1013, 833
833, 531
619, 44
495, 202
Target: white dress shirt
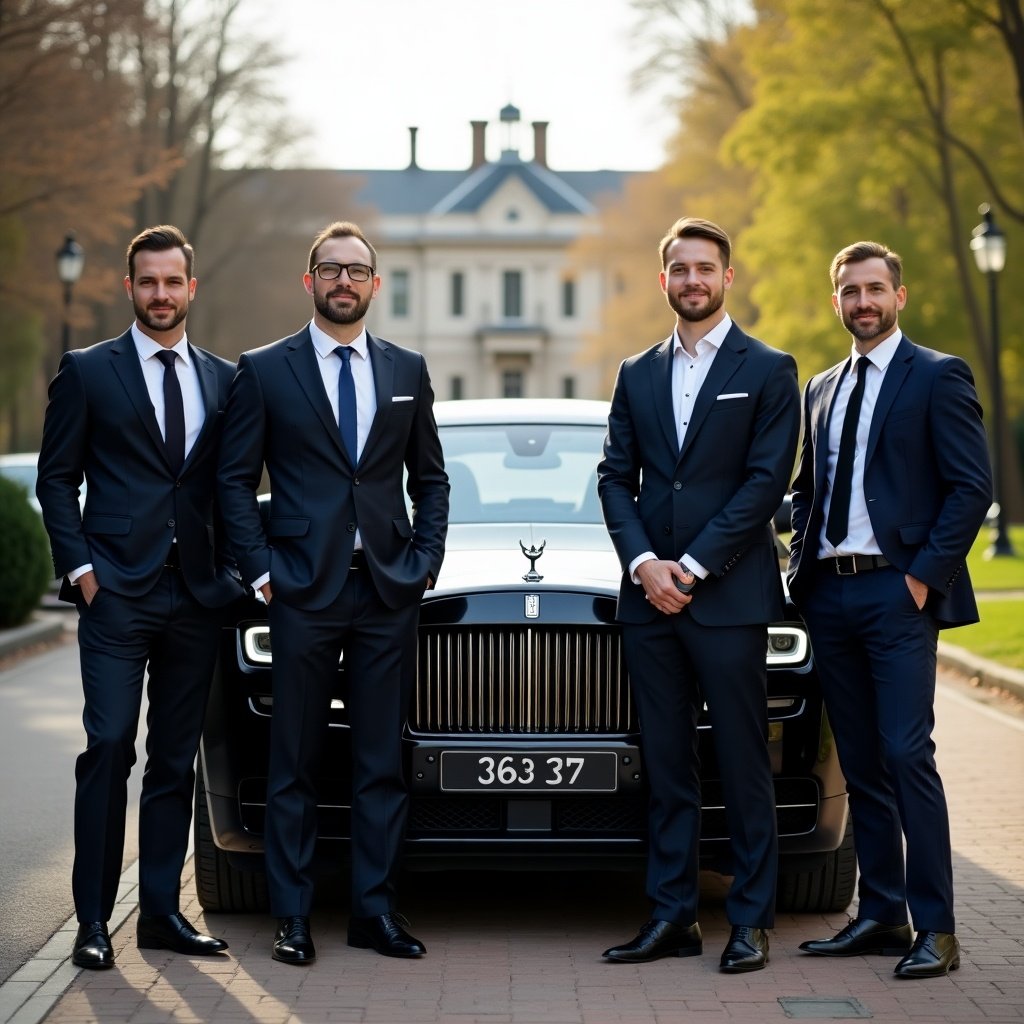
191, 395
688, 376
861, 538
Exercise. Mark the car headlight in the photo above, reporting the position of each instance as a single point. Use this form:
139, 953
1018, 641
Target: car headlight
787, 645
256, 649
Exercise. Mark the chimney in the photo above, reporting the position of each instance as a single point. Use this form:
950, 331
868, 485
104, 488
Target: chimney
540, 142
412, 149
479, 144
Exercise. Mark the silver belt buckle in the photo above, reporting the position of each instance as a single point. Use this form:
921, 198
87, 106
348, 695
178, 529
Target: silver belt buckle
853, 562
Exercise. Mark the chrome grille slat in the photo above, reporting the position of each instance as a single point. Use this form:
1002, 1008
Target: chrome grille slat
523, 680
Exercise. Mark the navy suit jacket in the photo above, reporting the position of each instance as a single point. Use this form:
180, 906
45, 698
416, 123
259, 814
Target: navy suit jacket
714, 498
927, 478
279, 415
100, 426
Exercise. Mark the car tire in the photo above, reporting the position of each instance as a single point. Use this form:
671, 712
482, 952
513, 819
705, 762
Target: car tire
828, 888
219, 885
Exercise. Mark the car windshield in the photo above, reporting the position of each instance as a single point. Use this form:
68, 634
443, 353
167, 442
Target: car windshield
523, 472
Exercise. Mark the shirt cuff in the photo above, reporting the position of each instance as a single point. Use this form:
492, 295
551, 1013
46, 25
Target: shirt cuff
691, 563
639, 560
259, 581
77, 574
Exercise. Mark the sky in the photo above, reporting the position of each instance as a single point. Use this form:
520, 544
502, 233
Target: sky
365, 70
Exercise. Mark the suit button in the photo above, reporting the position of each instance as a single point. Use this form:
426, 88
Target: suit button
677, 486
177, 484
355, 481
667, 529
351, 527
170, 523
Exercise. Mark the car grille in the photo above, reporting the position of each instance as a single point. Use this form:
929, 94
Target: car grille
521, 680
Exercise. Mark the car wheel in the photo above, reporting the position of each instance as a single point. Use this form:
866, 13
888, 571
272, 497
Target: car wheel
219, 885
827, 888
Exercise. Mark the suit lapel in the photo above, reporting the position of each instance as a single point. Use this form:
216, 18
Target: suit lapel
823, 418
383, 362
661, 390
730, 356
302, 358
895, 374
124, 358
208, 389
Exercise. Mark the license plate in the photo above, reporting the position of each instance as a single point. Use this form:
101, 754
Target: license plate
544, 771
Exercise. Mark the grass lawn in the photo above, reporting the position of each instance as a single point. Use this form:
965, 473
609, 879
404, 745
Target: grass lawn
999, 636
997, 573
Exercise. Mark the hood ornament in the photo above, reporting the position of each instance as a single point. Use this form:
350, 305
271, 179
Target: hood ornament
533, 554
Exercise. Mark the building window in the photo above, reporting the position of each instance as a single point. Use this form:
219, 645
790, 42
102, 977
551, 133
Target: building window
568, 387
458, 293
512, 294
455, 389
512, 384
400, 293
569, 297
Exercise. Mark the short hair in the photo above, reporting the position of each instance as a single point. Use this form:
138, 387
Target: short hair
861, 251
696, 227
342, 229
159, 239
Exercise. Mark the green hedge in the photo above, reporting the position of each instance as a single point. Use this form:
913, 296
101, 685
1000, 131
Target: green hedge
25, 565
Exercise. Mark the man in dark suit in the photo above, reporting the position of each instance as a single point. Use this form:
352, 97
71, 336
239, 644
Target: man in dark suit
701, 439
138, 418
336, 415
892, 486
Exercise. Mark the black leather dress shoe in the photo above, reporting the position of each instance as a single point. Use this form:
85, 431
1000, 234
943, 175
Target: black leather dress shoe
92, 947
386, 934
293, 943
172, 931
746, 950
862, 935
933, 955
657, 939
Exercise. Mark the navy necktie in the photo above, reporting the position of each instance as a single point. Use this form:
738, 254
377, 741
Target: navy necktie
174, 411
347, 422
838, 525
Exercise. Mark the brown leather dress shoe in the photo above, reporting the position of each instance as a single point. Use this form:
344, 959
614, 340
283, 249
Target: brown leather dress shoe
861, 936
172, 931
657, 939
746, 950
386, 934
934, 955
92, 949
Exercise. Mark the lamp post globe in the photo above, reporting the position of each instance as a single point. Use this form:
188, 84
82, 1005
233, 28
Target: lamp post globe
70, 263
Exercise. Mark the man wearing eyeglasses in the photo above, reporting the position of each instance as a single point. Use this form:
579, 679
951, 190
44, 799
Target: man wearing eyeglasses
336, 415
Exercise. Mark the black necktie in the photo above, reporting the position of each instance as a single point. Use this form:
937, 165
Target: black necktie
838, 525
347, 403
174, 411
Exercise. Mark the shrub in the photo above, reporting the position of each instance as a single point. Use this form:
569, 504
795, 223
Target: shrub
25, 565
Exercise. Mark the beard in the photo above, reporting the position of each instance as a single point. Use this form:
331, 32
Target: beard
713, 301
164, 319
869, 331
341, 315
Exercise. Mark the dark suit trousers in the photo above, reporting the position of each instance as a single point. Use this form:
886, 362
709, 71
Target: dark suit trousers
118, 637
379, 651
675, 664
875, 654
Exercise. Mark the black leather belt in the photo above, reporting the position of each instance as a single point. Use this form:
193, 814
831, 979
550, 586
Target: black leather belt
851, 565
173, 560
358, 560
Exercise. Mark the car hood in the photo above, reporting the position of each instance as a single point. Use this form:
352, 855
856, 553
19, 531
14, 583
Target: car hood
489, 555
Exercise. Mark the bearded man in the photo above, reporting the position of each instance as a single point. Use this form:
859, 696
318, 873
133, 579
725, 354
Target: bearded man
338, 418
701, 438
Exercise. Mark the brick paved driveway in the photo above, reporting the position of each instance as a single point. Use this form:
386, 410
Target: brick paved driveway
526, 949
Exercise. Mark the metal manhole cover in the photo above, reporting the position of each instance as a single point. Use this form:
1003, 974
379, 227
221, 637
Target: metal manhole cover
818, 1008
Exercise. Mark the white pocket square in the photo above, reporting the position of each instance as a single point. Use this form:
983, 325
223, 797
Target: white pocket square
402, 398
735, 394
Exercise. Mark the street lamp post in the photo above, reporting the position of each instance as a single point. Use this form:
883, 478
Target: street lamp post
70, 262
988, 244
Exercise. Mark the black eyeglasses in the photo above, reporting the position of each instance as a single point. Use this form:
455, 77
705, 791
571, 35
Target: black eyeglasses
329, 271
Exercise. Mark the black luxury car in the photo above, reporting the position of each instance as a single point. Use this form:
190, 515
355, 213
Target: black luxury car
522, 742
